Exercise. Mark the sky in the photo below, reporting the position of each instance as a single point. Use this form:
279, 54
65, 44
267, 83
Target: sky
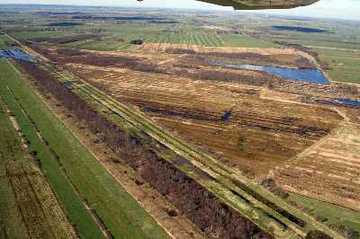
344, 9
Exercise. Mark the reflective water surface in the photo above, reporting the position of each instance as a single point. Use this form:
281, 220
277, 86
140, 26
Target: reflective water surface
16, 53
314, 76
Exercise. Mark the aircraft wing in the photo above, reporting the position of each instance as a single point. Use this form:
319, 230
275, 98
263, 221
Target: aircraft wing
261, 4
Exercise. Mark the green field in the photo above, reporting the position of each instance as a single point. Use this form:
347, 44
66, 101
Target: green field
237, 40
111, 36
344, 64
117, 37
74, 168
106, 44
24, 35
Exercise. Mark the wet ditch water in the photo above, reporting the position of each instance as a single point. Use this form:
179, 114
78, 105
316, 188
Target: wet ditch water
17, 54
348, 102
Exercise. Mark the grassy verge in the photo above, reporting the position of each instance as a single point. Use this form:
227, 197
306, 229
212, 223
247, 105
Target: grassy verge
76, 211
4, 41
332, 215
11, 224
119, 212
28, 206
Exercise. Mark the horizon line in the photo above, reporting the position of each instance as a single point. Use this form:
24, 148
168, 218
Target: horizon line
254, 12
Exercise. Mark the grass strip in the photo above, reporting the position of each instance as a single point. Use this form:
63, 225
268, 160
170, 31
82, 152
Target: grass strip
11, 225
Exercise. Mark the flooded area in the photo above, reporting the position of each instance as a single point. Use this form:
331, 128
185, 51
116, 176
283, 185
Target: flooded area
16, 53
313, 75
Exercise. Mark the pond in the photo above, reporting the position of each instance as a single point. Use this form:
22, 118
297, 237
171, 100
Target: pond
313, 76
